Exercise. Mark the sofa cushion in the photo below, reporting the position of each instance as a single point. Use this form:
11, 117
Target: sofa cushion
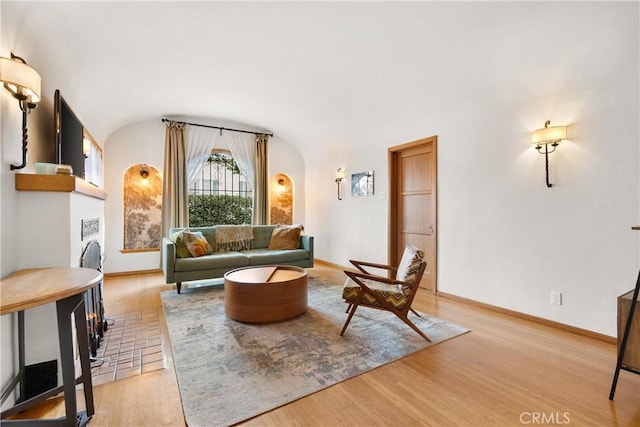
262, 236
212, 262
271, 256
285, 237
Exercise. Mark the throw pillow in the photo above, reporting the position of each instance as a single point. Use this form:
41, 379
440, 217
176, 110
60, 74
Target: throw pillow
285, 237
409, 264
181, 248
196, 244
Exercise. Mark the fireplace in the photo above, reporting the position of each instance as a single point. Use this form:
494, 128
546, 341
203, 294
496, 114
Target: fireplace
96, 322
62, 214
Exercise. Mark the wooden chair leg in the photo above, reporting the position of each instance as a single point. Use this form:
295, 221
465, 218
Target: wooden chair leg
348, 308
414, 327
353, 310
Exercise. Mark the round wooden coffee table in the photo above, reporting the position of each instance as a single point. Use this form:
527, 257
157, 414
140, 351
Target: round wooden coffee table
265, 294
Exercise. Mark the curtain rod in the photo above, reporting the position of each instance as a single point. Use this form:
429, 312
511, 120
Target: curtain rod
164, 120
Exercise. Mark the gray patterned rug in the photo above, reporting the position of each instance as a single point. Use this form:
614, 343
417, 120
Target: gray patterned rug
229, 371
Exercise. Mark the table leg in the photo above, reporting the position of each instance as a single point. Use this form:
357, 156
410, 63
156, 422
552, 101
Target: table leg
74, 305
625, 337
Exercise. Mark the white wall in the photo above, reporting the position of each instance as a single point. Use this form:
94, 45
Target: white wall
285, 159
143, 142
11, 153
504, 238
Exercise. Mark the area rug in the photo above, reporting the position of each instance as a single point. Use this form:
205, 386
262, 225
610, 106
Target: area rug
131, 346
229, 371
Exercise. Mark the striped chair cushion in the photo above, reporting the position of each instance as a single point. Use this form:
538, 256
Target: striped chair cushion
409, 264
390, 293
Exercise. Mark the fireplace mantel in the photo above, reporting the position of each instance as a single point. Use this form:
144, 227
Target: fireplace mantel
59, 183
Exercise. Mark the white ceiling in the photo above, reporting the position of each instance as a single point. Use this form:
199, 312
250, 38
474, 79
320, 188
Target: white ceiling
312, 73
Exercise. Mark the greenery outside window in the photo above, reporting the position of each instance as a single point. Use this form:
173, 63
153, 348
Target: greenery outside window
220, 194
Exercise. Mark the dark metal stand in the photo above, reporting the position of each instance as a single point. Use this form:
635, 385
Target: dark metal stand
73, 305
625, 337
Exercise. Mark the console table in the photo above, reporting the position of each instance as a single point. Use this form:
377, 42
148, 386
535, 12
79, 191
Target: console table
31, 288
626, 363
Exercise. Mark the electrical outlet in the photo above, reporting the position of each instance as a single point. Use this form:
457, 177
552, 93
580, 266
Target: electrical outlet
556, 297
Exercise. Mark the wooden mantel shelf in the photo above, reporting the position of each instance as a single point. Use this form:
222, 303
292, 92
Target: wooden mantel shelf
59, 183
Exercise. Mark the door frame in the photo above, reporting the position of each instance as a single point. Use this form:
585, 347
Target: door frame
393, 155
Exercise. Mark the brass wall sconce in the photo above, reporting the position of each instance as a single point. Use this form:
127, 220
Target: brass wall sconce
24, 84
548, 136
144, 174
339, 179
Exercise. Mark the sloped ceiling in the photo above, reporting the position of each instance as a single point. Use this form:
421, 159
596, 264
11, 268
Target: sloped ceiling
312, 73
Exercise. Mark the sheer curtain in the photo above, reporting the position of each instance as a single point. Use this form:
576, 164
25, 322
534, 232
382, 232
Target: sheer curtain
250, 153
175, 210
243, 150
200, 142
93, 165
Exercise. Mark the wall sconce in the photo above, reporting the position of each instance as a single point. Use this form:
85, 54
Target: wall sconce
548, 136
144, 174
339, 179
24, 84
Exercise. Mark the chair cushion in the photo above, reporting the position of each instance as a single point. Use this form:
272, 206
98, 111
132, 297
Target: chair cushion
409, 264
390, 293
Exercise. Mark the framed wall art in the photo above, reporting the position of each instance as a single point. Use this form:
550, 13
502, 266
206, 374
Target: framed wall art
362, 184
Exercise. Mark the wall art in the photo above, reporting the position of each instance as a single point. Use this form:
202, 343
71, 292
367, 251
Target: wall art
362, 184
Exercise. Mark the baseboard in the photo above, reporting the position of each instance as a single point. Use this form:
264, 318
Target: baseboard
132, 273
329, 264
529, 317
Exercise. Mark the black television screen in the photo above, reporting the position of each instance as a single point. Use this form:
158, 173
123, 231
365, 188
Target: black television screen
69, 134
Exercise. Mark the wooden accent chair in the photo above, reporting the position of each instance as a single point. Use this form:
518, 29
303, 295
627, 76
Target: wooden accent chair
395, 295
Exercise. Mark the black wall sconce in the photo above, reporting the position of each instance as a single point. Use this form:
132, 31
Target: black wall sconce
339, 179
24, 84
548, 136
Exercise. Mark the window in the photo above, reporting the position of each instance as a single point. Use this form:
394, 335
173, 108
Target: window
220, 194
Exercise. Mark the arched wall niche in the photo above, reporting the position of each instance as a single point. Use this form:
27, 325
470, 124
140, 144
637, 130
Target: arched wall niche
281, 199
142, 190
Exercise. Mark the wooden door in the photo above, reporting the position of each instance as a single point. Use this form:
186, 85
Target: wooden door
413, 202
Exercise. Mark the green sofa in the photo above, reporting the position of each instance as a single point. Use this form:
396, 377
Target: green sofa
177, 270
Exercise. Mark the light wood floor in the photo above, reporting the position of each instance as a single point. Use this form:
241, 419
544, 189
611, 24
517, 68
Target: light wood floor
506, 372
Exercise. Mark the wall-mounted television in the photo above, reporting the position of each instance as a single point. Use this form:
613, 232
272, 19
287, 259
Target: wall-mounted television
74, 144
69, 134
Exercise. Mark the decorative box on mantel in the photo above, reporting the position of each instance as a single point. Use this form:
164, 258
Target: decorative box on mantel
53, 213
